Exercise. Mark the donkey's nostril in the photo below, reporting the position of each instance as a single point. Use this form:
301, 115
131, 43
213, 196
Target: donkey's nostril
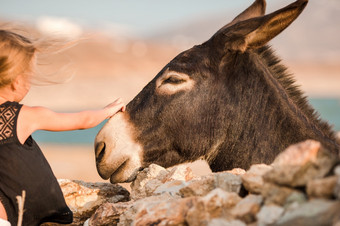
100, 150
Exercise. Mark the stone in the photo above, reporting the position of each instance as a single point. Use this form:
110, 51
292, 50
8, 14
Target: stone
86, 223
128, 217
171, 212
215, 204
84, 198
252, 180
180, 172
108, 214
236, 171
228, 182
147, 181
322, 188
294, 199
198, 187
313, 213
175, 196
269, 214
180, 180
203, 185
301, 163
219, 198
247, 208
279, 195
224, 222
171, 187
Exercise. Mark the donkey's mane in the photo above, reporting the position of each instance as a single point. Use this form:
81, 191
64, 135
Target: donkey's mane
286, 79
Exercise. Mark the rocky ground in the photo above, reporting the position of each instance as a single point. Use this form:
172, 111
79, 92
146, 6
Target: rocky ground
301, 187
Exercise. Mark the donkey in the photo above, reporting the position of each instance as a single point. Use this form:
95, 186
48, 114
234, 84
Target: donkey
229, 101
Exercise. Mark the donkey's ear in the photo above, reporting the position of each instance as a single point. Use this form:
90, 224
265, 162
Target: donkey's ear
256, 32
258, 8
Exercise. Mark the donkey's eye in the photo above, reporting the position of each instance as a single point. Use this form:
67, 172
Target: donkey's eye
173, 80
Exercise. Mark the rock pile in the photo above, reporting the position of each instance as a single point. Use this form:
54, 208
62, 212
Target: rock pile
85, 198
301, 187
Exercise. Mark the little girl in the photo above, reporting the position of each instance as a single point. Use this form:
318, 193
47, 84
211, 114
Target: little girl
22, 164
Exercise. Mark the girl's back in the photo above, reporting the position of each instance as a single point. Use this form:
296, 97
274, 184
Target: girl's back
24, 167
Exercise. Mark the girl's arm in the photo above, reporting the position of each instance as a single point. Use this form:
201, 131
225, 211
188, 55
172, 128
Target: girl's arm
40, 118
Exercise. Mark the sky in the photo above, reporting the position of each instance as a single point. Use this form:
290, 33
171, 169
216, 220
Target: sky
139, 16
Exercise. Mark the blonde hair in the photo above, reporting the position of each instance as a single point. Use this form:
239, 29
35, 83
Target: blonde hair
16, 55
19, 51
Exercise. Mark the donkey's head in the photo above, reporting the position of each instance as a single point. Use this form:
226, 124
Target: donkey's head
223, 101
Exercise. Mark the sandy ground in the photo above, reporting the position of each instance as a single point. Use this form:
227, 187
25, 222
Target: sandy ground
75, 162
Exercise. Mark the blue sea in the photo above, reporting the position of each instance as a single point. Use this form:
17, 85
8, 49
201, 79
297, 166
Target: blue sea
329, 110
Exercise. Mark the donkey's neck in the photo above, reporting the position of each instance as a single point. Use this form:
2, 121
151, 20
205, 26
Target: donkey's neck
270, 116
285, 81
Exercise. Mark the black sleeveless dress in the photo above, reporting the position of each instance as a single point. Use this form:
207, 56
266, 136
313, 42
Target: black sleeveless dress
24, 167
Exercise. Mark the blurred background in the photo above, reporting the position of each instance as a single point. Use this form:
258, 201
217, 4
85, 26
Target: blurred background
124, 44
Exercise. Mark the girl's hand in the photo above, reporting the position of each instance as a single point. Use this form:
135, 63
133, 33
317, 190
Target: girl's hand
115, 107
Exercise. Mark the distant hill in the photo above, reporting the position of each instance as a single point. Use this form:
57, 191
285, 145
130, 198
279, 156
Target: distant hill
314, 36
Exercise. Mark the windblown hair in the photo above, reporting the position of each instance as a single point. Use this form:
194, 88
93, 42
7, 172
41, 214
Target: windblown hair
16, 56
20, 53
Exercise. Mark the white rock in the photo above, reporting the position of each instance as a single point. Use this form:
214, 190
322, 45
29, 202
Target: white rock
224, 222
269, 214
